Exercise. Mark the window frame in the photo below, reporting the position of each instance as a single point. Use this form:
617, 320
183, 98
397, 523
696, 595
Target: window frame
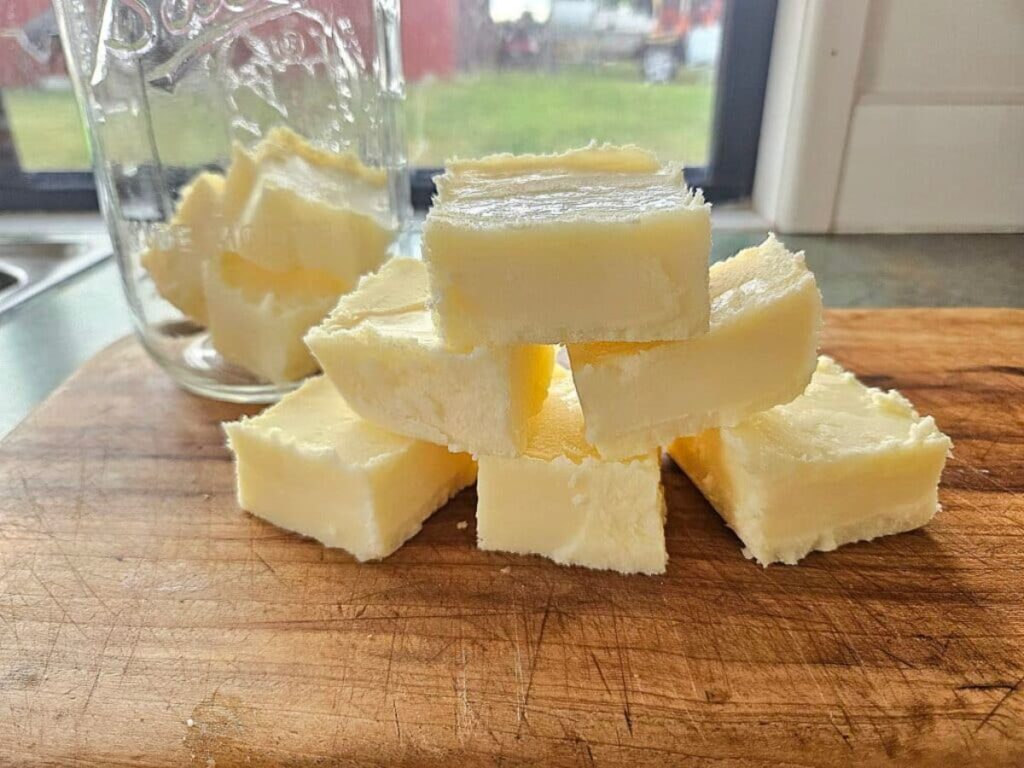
748, 29
742, 75
22, 190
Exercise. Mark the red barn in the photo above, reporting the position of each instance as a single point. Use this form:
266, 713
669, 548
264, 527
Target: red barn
29, 48
428, 37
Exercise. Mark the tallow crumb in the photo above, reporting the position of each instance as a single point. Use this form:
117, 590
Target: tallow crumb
462, 525
506, 570
190, 722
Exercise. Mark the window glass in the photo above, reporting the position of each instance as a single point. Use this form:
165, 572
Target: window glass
482, 76
41, 113
541, 75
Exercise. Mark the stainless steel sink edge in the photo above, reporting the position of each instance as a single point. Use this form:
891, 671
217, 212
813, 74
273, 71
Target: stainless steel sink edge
38, 263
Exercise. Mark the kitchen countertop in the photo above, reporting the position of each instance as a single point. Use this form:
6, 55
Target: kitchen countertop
45, 339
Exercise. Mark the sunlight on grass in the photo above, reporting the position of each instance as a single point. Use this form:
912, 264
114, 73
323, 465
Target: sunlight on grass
535, 112
48, 133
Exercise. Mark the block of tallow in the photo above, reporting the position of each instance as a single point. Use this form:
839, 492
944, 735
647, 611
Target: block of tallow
841, 463
311, 465
309, 208
559, 499
761, 351
257, 317
176, 253
596, 244
284, 205
381, 350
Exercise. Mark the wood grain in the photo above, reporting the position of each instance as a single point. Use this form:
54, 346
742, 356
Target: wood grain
145, 620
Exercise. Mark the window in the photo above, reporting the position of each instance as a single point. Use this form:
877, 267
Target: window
682, 77
44, 160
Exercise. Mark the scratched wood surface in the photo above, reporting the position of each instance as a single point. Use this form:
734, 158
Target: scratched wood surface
145, 620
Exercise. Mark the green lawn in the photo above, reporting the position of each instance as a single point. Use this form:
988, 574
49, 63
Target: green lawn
470, 115
539, 112
47, 132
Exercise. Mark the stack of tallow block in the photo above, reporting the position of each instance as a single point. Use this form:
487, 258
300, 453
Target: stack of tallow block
436, 369
262, 252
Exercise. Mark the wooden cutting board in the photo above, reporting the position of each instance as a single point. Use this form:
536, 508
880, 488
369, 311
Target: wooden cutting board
145, 620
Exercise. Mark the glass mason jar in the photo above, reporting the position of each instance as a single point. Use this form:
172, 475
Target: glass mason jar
250, 163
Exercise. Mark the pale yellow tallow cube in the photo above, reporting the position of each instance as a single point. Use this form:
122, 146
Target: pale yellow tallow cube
283, 206
176, 253
380, 349
239, 181
761, 351
841, 463
561, 500
597, 244
308, 208
257, 317
311, 465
